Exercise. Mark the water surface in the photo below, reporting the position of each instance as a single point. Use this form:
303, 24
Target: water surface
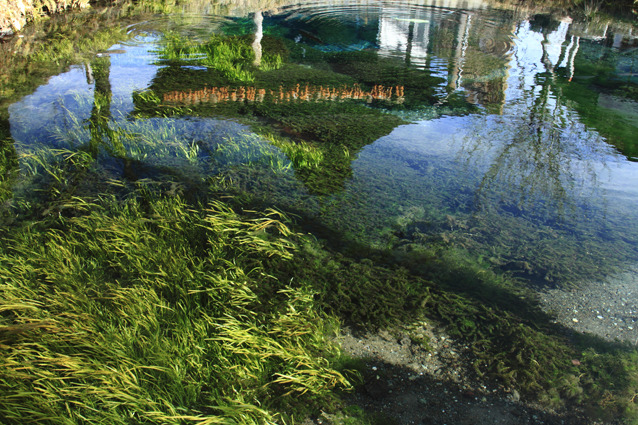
506, 137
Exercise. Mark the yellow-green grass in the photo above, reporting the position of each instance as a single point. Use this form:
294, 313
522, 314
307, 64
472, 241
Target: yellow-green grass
153, 312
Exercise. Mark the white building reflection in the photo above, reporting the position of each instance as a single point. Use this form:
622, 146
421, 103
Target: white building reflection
479, 56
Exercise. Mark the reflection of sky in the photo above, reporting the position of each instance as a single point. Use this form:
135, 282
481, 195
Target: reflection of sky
34, 115
586, 149
132, 71
393, 35
445, 139
70, 93
526, 61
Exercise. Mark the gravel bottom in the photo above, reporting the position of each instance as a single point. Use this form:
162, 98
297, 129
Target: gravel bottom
607, 309
422, 376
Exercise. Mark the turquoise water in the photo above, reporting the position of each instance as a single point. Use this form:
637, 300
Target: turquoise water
509, 138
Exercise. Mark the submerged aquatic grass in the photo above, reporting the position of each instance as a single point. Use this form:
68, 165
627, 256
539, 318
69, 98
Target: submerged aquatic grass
302, 155
508, 340
152, 310
147, 308
232, 56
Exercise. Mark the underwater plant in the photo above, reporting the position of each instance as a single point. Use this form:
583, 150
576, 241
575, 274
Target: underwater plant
297, 94
158, 325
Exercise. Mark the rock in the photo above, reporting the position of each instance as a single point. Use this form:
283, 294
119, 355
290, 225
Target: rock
515, 396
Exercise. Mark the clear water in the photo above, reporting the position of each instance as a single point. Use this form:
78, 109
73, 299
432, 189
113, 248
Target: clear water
518, 145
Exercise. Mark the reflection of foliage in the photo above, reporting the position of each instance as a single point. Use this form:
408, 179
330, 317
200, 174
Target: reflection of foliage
102, 135
15, 14
41, 58
8, 166
619, 130
530, 186
544, 23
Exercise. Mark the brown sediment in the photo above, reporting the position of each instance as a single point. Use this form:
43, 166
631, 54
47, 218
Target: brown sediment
298, 93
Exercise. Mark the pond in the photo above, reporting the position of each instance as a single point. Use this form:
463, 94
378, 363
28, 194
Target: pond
512, 138
502, 138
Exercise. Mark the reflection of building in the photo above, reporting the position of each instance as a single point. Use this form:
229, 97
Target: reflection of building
476, 54
460, 46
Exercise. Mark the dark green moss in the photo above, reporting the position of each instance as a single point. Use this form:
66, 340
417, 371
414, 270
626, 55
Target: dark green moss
370, 69
338, 123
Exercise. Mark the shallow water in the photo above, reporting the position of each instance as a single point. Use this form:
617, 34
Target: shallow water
509, 137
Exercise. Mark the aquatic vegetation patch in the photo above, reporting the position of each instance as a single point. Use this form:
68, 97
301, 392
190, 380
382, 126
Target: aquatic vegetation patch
347, 124
232, 56
509, 342
302, 155
296, 94
135, 310
371, 69
8, 167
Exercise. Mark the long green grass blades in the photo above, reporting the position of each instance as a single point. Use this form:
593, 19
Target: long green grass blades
231, 56
154, 312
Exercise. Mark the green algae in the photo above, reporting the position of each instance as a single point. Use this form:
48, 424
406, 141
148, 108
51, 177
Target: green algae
8, 162
511, 340
520, 350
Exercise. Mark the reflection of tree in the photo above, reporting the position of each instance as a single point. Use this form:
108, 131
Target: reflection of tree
539, 161
259, 34
540, 153
8, 160
102, 135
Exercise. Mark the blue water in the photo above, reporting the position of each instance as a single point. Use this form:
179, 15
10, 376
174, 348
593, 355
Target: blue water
512, 155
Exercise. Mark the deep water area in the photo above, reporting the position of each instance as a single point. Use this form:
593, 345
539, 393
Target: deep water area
244, 178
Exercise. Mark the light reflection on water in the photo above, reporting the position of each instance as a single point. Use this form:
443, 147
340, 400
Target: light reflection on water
519, 166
